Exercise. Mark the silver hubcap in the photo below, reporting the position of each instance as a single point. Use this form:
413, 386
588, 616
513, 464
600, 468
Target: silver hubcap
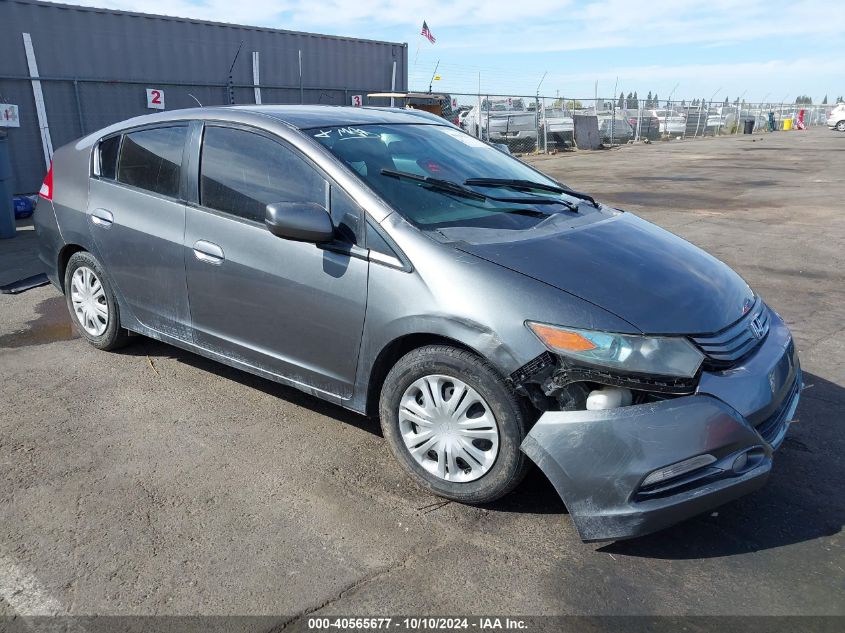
89, 301
448, 428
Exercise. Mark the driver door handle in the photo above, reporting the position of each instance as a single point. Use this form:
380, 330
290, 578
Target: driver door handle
208, 252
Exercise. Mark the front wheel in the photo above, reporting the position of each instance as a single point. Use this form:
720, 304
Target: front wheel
840, 127
454, 424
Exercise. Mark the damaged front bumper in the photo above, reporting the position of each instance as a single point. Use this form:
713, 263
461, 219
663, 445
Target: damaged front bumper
600, 461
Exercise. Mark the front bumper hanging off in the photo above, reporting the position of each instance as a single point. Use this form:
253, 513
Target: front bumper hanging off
598, 461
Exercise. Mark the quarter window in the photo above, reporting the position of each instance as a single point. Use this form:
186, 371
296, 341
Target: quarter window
375, 242
107, 157
152, 160
242, 172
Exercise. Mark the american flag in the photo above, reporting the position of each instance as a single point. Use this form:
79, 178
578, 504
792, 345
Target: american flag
426, 32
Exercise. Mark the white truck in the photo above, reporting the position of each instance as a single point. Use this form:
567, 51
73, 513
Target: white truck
504, 121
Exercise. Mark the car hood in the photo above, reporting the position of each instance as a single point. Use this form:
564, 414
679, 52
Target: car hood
658, 282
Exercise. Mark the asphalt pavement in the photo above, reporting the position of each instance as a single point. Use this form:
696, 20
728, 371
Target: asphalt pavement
152, 481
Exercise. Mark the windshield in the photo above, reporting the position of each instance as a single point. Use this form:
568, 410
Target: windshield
426, 173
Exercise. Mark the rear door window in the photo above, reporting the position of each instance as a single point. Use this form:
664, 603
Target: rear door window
242, 172
152, 160
107, 157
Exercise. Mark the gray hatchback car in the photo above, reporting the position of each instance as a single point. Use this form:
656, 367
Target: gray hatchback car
394, 265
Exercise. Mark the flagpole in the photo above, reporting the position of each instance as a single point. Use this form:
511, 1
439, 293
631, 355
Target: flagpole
417, 54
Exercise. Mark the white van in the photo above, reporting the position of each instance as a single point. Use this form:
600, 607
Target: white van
836, 120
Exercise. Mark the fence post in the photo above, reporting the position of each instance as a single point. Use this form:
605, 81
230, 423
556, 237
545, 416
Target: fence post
612, 121
639, 120
698, 120
545, 129
488, 120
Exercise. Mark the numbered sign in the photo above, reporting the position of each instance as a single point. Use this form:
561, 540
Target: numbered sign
357, 101
9, 116
155, 98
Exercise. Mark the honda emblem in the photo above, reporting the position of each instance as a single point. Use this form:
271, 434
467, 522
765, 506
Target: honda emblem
756, 327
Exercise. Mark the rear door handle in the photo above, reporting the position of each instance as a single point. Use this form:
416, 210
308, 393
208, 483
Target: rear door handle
102, 217
208, 252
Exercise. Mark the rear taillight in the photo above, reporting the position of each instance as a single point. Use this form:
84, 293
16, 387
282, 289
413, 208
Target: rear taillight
46, 190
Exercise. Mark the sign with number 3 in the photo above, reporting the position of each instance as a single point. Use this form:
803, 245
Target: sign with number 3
155, 98
357, 101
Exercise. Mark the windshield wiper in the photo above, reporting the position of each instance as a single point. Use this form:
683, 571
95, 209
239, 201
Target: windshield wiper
527, 185
447, 186
435, 183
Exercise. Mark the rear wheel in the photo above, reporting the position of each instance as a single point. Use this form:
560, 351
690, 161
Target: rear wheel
454, 424
92, 304
840, 127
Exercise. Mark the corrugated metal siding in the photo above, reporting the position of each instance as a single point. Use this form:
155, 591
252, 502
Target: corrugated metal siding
181, 56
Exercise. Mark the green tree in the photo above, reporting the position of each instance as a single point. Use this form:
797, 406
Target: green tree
636, 100
656, 102
803, 100
566, 104
648, 103
726, 101
621, 103
824, 101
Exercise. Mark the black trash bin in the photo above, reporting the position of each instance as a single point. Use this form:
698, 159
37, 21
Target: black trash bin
749, 126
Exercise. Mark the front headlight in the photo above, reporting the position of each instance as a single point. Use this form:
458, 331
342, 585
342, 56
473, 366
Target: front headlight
660, 355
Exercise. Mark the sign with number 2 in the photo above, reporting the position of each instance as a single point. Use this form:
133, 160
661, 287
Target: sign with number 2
155, 98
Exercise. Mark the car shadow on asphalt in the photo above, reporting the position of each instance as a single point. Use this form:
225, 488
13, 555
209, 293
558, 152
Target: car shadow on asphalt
155, 349
802, 500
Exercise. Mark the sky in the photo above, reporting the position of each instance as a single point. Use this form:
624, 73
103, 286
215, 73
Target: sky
771, 50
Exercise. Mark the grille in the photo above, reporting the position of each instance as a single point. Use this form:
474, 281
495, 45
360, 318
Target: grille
736, 341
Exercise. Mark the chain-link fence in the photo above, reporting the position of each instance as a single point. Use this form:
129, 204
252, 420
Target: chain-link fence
536, 124
522, 124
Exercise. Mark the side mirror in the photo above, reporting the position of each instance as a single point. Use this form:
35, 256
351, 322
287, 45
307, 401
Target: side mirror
304, 221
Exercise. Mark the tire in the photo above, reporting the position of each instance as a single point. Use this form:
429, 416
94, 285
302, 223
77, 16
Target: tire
478, 480
88, 292
840, 126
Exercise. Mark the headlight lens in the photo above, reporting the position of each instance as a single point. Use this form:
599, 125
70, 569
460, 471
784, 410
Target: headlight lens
660, 355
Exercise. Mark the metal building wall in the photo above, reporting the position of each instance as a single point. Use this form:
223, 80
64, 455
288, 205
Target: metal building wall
96, 64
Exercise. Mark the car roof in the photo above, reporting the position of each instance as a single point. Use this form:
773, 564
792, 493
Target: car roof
311, 116
303, 117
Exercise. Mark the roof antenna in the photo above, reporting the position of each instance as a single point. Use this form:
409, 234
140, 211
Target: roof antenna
230, 83
195, 99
